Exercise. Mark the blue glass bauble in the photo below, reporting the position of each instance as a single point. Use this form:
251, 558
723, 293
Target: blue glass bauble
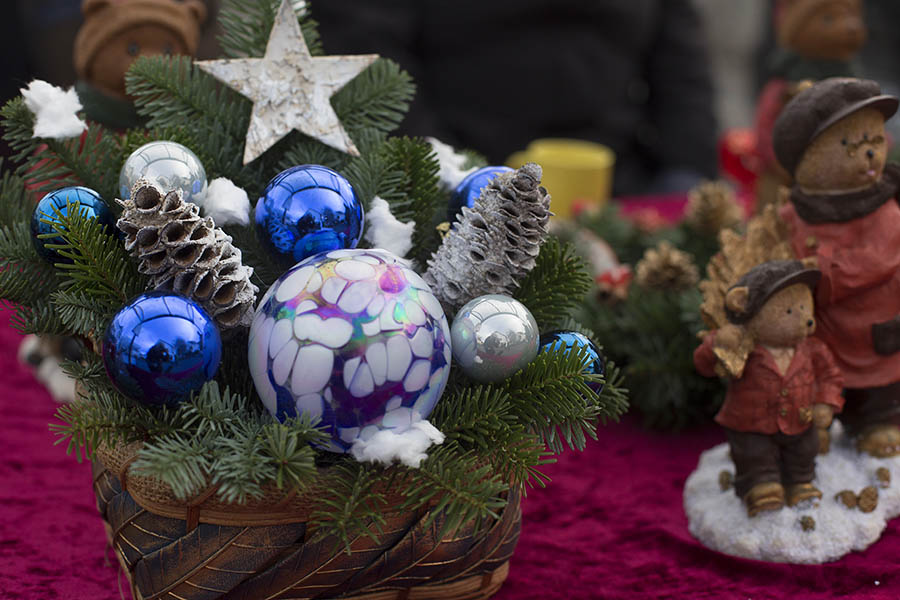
567, 340
353, 338
91, 205
494, 336
468, 190
168, 165
309, 209
161, 347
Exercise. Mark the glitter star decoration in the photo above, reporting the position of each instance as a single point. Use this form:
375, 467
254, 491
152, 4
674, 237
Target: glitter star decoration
290, 88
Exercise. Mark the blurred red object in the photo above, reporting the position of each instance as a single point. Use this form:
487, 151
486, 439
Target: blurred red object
738, 157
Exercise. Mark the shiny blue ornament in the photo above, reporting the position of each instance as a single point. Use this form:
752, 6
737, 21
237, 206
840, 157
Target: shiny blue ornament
468, 190
91, 205
161, 347
596, 363
309, 209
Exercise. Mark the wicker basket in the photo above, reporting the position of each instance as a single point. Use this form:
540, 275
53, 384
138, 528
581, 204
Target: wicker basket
205, 549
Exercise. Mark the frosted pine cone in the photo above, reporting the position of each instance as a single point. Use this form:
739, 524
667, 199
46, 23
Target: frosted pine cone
712, 206
666, 268
493, 244
187, 254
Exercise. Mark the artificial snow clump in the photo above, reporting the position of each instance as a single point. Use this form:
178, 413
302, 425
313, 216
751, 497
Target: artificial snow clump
55, 110
385, 231
226, 203
407, 447
451, 162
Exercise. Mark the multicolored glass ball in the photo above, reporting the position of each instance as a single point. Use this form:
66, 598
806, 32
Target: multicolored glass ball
309, 209
595, 364
161, 347
170, 166
469, 189
493, 337
352, 338
90, 204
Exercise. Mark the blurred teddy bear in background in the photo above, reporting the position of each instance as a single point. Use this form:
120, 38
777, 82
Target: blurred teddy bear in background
114, 34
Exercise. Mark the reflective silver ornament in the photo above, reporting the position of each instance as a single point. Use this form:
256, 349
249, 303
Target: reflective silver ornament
169, 166
493, 336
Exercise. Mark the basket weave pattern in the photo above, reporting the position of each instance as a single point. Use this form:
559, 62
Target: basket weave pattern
205, 549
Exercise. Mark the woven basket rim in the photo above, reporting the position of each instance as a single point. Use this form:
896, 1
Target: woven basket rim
275, 507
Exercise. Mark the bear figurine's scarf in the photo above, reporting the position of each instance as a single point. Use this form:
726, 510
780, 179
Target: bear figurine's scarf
839, 208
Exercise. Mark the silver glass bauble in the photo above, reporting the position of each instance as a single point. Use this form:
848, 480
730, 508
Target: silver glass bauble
492, 337
168, 165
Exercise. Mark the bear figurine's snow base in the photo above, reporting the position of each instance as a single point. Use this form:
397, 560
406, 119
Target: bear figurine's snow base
718, 519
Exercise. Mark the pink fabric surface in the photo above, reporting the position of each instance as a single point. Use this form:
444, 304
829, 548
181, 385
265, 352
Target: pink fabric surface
610, 525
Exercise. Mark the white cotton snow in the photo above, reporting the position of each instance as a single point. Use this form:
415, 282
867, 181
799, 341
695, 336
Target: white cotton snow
384, 230
55, 110
226, 203
407, 447
719, 520
451, 162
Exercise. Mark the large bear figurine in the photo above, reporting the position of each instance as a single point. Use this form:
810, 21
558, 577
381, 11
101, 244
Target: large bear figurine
843, 210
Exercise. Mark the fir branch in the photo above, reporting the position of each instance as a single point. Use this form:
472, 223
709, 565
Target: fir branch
377, 98
89, 369
15, 203
654, 335
25, 277
556, 285
104, 416
40, 317
457, 486
91, 160
246, 26
551, 395
481, 418
289, 445
177, 96
180, 461
100, 267
304, 150
81, 314
411, 187
352, 504
240, 466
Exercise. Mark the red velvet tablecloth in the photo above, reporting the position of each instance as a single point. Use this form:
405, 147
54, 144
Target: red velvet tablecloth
609, 526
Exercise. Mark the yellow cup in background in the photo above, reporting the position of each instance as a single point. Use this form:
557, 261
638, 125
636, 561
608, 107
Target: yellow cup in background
573, 170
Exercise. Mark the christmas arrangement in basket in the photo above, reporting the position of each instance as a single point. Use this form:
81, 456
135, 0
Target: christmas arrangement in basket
344, 392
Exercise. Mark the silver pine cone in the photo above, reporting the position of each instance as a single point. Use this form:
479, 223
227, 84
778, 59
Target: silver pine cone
493, 244
187, 254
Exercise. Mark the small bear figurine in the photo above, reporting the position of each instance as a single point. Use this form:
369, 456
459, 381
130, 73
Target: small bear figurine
788, 383
843, 210
816, 39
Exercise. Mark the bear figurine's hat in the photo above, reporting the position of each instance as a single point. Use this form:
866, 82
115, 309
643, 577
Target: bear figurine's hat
763, 281
821, 105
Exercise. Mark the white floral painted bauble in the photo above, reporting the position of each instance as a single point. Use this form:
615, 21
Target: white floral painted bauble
353, 338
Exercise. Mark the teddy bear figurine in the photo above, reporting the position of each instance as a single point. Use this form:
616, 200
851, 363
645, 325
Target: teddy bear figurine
114, 34
843, 210
786, 382
816, 39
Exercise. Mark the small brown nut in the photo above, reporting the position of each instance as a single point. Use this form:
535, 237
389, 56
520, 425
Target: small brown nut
868, 499
883, 475
807, 523
726, 480
847, 498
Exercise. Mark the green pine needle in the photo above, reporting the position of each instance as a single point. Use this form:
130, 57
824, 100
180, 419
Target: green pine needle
91, 159
555, 286
246, 26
